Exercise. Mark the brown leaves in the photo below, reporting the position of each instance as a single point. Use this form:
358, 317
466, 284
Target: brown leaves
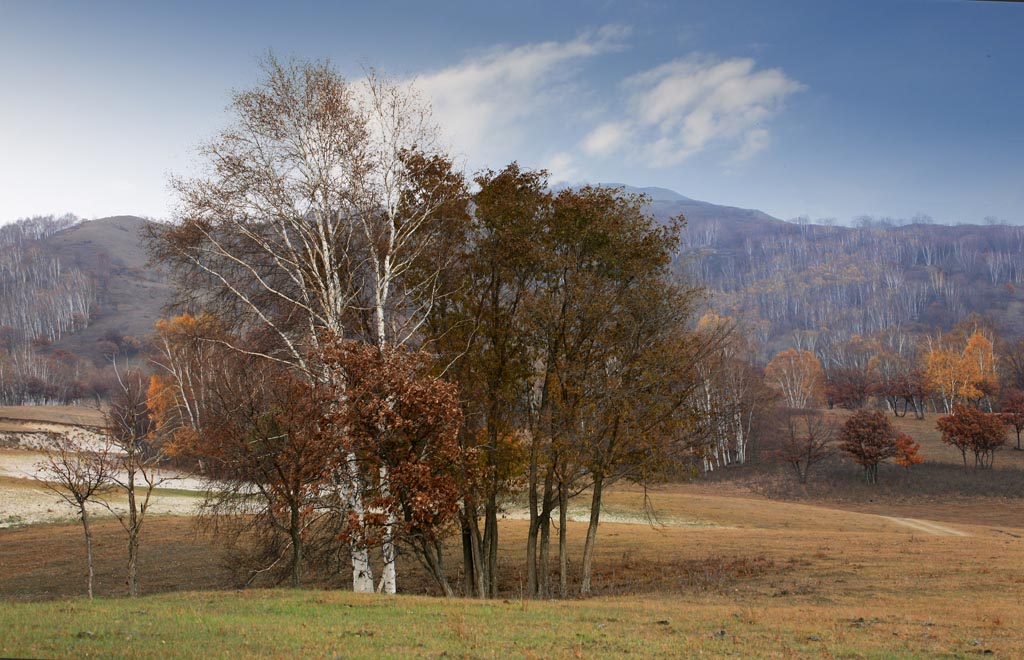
969, 429
869, 438
402, 425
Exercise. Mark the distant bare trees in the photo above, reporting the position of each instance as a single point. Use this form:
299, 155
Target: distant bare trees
803, 439
80, 475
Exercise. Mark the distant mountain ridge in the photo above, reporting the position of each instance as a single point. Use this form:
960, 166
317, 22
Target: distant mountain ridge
778, 277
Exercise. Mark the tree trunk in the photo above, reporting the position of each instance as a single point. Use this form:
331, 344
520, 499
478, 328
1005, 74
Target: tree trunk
133, 538
469, 574
531, 536
490, 545
133, 559
595, 519
295, 532
388, 580
362, 573
563, 556
88, 546
547, 505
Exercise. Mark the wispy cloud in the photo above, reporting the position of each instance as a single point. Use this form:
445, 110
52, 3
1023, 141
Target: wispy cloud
686, 106
483, 102
488, 105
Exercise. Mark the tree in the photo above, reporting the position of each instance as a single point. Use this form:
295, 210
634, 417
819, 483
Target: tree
798, 375
480, 332
732, 393
135, 457
1013, 411
324, 210
907, 451
269, 462
961, 372
969, 429
79, 475
401, 422
613, 357
802, 440
869, 439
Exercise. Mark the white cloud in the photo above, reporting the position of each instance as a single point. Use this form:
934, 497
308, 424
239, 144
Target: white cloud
490, 106
755, 141
561, 168
606, 138
482, 102
685, 106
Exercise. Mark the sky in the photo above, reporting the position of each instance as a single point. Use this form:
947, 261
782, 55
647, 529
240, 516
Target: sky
889, 108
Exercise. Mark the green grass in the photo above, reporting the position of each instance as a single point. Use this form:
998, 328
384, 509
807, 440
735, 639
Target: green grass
332, 624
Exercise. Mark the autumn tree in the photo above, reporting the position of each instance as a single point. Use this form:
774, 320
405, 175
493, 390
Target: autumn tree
802, 439
480, 333
961, 371
732, 393
324, 209
869, 439
79, 475
269, 464
136, 455
971, 430
798, 376
1013, 411
613, 365
908, 452
402, 422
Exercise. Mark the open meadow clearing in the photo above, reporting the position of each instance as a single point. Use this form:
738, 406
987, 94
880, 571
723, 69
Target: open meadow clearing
722, 571
726, 576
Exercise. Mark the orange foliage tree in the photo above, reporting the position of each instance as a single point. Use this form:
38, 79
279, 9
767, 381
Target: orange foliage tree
401, 422
798, 376
971, 430
961, 373
907, 451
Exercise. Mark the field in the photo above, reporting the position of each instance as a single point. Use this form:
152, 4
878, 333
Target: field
728, 572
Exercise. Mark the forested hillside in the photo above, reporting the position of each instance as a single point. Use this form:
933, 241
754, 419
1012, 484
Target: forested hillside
73, 295
838, 282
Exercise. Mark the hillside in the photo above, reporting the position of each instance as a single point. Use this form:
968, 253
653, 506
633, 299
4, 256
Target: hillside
72, 295
130, 294
84, 289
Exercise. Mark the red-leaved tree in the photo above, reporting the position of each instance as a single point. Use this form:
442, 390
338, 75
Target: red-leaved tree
869, 439
970, 430
402, 422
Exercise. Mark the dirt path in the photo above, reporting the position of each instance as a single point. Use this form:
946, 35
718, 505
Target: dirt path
930, 528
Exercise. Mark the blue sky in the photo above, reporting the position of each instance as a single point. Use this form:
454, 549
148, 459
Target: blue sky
824, 109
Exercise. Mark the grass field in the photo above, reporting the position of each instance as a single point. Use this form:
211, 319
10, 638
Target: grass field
730, 573
753, 579
73, 415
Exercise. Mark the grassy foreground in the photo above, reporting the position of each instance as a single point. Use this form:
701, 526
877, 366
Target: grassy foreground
333, 624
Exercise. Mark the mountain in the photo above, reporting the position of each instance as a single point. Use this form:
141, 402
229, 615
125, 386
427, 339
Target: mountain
73, 293
130, 293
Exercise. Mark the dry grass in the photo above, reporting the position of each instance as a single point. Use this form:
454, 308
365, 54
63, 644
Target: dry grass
780, 579
67, 415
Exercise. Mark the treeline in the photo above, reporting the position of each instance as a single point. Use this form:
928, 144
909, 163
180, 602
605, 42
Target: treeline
40, 298
859, 281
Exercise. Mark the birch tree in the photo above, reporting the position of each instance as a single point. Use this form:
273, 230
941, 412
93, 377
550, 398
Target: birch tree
320, 212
